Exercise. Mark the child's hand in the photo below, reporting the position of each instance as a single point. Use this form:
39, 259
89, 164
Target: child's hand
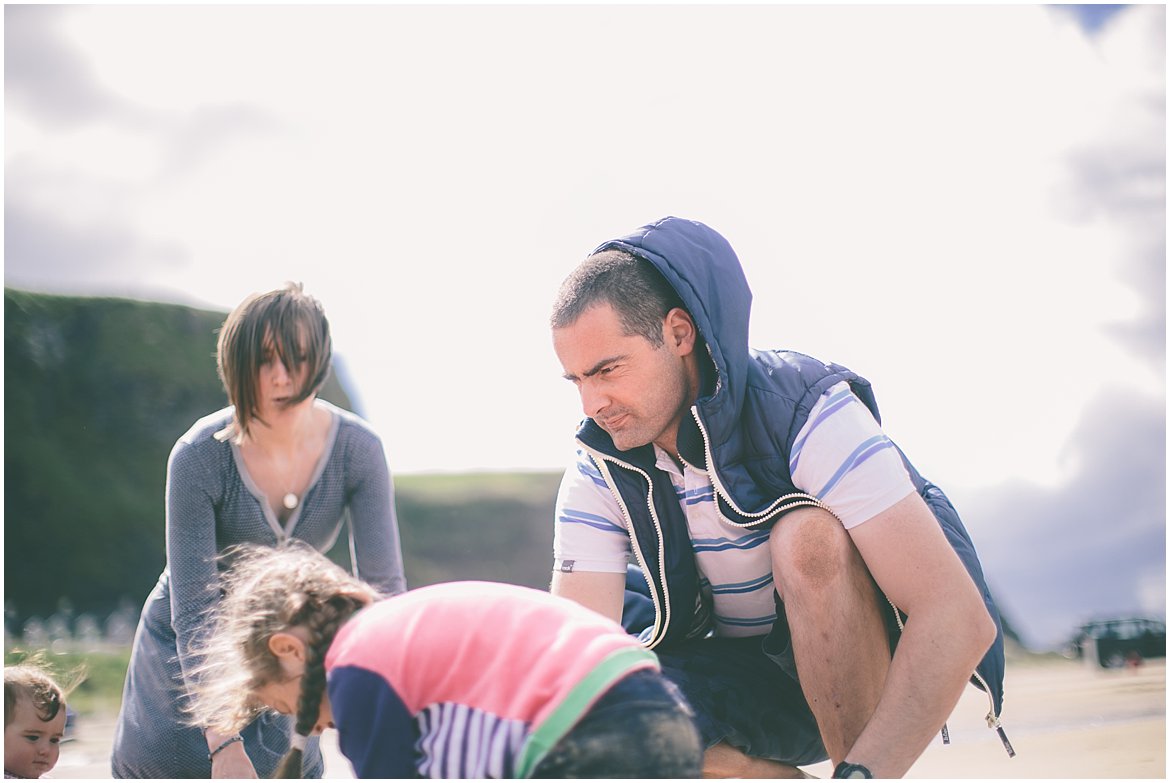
232, 762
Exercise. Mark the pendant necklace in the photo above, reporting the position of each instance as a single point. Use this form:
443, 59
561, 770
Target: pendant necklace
290, 499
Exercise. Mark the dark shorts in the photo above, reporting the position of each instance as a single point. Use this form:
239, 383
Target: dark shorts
640, 728
743, 691
747, 691
743, 695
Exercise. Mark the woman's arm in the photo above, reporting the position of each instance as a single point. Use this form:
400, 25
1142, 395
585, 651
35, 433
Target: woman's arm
192, 549
231, 760
370, 499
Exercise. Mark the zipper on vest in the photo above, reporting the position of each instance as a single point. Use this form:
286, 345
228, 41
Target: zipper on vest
993, 719
801, 499
779, 506
661, 611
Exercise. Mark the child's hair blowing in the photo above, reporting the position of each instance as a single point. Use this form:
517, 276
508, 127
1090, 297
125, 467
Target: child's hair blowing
29, 680
267, 591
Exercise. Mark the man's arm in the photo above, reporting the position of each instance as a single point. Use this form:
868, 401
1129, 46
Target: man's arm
602, 592
947, 633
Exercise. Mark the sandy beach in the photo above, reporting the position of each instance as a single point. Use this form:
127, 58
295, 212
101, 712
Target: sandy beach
1064, 720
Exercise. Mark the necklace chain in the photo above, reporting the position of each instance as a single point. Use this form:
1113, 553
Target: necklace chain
290, 500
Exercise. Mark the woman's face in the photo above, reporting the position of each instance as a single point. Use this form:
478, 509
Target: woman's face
276, 385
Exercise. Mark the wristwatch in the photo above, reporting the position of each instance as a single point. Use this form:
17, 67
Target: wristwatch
847, 770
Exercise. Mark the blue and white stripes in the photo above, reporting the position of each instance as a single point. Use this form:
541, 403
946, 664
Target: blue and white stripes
834, 400
859, 455
750, 586
572, 516
735, 563
842, 457
690, 497
749, 540
587, 469
457, 741
760, 625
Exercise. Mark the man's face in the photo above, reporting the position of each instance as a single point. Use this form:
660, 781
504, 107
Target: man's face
32, 745
635, 391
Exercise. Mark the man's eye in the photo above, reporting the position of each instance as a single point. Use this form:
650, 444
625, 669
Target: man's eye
55, 740
31, 737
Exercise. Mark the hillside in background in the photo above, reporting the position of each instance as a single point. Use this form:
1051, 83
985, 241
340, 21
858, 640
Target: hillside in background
496, 527
96, 392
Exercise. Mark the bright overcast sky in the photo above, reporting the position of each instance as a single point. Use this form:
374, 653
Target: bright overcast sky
911, 191
964, 204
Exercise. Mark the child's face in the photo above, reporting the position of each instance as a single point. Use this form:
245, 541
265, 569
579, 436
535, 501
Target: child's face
284, 694
31, 745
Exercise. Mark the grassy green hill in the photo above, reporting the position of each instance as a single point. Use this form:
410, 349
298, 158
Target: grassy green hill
96, 392
496, 527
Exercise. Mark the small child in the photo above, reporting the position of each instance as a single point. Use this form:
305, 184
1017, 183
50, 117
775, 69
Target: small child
34, 721
455, 680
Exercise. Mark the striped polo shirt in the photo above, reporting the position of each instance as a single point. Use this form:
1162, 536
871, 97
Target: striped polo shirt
841, 456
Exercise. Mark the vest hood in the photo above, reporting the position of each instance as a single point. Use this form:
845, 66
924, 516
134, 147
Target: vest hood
705, 272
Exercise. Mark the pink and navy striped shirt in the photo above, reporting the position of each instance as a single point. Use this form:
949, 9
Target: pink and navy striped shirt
469, 679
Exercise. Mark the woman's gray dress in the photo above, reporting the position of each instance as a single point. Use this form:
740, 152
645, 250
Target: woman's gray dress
211, 504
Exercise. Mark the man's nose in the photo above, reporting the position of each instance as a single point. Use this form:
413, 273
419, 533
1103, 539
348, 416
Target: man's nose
593, 399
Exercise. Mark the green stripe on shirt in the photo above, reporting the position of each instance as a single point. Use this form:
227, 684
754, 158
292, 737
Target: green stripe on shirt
565, 716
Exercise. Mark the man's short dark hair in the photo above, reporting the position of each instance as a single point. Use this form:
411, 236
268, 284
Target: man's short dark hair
632, 287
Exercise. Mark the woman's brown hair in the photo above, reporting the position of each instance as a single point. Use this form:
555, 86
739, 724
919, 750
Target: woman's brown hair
286, 322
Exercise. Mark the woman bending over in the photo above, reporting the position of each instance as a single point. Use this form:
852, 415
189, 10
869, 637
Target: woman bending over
279, 464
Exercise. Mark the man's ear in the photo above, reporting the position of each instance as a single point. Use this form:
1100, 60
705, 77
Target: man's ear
285, 645
679, 330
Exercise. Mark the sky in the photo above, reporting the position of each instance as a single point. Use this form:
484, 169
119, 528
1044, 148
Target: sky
964, 204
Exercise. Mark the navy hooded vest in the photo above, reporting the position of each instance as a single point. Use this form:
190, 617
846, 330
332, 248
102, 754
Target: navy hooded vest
742, 433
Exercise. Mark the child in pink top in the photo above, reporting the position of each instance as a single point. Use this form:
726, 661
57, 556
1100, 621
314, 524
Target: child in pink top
455, 680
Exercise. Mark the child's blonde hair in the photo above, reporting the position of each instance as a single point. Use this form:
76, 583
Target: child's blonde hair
29, 680
267, 591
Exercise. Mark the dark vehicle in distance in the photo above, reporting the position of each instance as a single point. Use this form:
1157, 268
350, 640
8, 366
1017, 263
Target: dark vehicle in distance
1118, 642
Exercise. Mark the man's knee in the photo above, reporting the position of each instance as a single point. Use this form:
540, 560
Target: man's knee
811, 550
